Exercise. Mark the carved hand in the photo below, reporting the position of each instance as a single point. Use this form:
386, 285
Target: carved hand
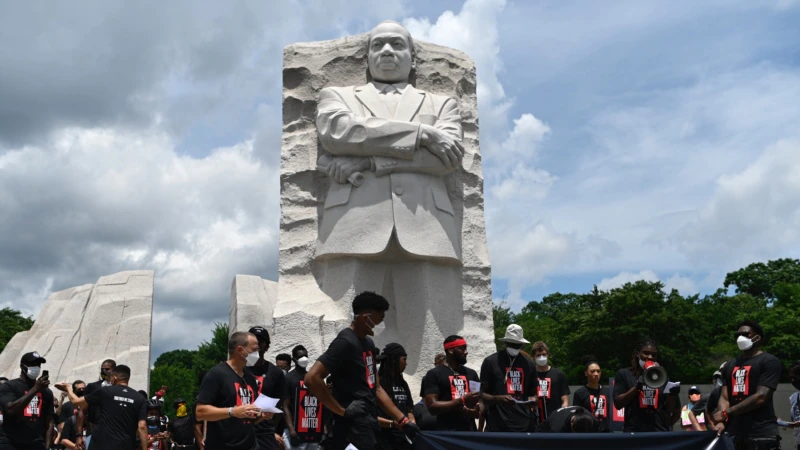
341, 167
442, 145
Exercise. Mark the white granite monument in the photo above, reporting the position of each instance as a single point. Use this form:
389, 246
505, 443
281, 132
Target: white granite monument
80, 327
382, 190
252, 303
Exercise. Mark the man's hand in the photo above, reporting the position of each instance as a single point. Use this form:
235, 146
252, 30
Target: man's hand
294, 439
719, 427
62, 387
80, 443
444, 146
357, 408
246, 412
267, 415
719, 417
341, 167
410, 429
41, 384
279, 440
471, 399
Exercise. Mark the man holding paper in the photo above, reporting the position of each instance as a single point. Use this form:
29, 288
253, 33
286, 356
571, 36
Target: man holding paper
227, 396
508, 386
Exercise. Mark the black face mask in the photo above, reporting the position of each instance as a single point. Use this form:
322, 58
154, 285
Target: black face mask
79, 392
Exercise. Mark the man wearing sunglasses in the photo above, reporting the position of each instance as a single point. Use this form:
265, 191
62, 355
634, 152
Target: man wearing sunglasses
745, 407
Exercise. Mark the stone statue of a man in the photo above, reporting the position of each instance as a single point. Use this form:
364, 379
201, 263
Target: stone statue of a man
392, 228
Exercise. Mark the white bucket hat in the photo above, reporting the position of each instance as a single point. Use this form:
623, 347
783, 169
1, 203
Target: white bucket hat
514, 335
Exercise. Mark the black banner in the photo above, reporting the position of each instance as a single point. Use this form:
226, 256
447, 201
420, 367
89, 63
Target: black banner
561, 441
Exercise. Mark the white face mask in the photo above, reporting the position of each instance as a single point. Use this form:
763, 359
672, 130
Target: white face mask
541, 361
302, 362
33, 372
744, 343
379, 328
252, 359
512, 352
642, 363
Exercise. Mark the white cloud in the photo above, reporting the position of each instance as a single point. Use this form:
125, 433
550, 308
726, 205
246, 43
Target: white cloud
606, 284
685, 285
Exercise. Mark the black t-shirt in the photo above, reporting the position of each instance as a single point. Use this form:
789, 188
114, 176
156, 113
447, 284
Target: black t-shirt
181, 429
351, 362
92, 416
559, 422
401, 397
500, 377
67, 411
742, 377
27, 429
69, 431
272, 383
222, 387
552, 386
449, 385
597, 401
713, 400
307, 413
119, 410
646, 412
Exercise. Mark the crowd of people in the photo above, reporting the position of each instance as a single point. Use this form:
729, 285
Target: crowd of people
355, 396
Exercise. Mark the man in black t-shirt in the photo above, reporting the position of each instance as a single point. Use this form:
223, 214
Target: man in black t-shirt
745, 408
553, 388
572, 419
181, 430
303, 412
27, 407
121, 412
226, 397
506, 381
357, 392
646, 409
447, 391
272, 383
89, 418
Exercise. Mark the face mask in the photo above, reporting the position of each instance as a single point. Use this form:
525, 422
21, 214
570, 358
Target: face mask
252, 359
376, 328
33, 372
642, 363
744, 343
302, 362
181, 411
79, 392
541, 361
103, 375
512, 352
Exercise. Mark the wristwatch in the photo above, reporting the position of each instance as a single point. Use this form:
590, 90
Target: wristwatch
230, 411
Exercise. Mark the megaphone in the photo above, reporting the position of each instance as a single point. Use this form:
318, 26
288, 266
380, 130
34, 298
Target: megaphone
654, 375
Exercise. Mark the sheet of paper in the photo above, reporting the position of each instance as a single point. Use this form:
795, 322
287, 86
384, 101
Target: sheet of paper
671, 385
350, 447
524, 402
474, 386
267, 404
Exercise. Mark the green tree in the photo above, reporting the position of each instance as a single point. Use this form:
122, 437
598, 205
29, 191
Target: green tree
11, 323
760, 280
211, 353
183, 358
180, 382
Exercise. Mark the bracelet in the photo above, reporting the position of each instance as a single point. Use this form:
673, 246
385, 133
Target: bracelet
402, 422
464, 401
230, 411
726, 416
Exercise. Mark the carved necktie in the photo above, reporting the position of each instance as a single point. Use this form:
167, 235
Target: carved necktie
391, 97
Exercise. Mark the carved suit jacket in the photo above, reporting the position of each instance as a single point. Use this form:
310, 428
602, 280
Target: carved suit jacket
405, 190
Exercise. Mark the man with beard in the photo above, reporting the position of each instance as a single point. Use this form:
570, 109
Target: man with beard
447, 391
357, 392
27, 406
506, 380
88, 419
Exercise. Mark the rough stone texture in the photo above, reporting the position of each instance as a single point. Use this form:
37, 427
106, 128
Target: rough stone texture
80, 327
303, 313
252, 303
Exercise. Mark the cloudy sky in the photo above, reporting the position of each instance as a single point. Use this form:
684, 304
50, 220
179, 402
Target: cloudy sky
622, 140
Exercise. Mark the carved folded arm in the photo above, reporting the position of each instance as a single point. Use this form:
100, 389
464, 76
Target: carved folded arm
343, 133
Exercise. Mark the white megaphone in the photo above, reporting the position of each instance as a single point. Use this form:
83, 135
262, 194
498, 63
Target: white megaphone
654, 375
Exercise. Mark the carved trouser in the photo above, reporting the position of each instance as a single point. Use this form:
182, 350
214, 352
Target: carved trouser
425, 300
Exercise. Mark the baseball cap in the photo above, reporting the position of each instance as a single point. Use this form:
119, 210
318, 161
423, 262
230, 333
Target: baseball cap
261, 333
694, 389
32, 359
177, 402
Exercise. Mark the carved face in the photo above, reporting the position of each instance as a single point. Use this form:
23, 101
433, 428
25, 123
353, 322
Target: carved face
390, 53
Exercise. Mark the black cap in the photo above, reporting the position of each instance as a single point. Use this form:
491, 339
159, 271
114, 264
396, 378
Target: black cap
694, 389
261, 333
177, 402
392, 349
32, 359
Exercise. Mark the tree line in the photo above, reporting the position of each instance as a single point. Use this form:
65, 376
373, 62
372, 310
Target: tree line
695, 334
